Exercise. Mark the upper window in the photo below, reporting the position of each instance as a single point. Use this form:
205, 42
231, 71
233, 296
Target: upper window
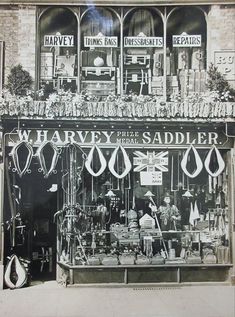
108, 53
186, 52
58, 49
143, 52
100, 52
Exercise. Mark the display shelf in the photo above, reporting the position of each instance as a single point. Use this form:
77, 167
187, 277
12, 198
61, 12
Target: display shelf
69, 266
142, 274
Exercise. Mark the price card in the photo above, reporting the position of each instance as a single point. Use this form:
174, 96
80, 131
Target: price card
151, 178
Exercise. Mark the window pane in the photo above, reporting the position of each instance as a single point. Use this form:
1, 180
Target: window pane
186, 52
58, 44
100, 52
143, 53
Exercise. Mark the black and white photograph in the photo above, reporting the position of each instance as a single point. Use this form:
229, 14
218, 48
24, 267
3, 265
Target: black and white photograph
117, 158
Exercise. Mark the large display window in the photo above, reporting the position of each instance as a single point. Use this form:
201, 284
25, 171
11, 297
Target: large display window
117, 197
172, 218
160, 52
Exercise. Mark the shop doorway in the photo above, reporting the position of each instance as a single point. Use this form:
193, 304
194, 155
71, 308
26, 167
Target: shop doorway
42, 244
30, 231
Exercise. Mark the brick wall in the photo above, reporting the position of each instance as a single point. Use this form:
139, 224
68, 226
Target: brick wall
17, 30
27, 39
9, 34
221, 39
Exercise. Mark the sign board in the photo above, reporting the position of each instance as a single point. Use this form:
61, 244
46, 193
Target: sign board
100, 41
150, 178
185, 40
139, 41
132, 139
225, 62
58, 40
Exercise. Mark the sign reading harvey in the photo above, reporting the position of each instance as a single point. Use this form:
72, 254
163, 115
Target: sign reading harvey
58, 40
129, 139
185, 40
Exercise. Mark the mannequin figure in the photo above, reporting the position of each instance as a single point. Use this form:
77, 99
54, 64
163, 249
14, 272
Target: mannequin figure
169, 214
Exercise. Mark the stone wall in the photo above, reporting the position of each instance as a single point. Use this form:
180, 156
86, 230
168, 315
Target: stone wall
18, 31
221, 39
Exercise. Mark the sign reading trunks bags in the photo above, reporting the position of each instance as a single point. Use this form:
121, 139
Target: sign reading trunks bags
131, 139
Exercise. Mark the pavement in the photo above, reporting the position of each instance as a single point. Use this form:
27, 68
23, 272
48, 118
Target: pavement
50, 299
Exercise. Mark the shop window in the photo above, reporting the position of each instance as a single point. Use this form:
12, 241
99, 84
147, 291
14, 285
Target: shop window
186, 52
143, 52
141, 216
100, 38
58, 50
1, 65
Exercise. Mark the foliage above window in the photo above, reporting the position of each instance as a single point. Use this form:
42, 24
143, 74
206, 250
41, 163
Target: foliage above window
19, 81
217, 83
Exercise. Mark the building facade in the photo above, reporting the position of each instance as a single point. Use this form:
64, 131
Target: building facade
117, 128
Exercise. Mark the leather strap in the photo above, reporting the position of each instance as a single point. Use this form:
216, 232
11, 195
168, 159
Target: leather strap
126, 161
199, 165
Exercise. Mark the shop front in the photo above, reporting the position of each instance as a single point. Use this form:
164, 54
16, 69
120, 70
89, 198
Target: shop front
119, 203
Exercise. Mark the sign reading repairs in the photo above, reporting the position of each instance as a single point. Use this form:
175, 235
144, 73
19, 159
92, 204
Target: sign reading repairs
58, 40
185, 40
126, 138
